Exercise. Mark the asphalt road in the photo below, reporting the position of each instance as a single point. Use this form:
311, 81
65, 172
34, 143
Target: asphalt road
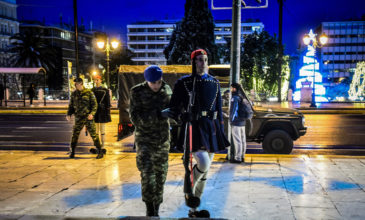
45, 132
326, 134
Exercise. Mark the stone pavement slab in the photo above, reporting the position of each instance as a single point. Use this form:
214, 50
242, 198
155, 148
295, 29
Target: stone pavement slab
49, 185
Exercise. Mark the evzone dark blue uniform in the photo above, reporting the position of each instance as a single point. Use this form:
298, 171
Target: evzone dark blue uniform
206, 119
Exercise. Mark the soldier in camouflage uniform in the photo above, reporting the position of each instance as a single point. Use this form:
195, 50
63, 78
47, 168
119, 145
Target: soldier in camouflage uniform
83, 105
152, 135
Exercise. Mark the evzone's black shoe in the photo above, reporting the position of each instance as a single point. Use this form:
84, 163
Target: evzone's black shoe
192, 201
199, 214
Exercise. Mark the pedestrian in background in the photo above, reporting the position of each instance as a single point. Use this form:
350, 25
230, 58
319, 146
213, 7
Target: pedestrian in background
102, 115
240, 111
206, 119
225, 103
225, 98
1, 94
31, 93
83, 105
152, 136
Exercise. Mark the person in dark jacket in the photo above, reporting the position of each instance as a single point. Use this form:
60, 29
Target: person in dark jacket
152, 135
206, 118
31, 93
102, 115
237, 118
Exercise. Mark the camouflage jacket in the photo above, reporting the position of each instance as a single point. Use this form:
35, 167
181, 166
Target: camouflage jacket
82, 103
145, 112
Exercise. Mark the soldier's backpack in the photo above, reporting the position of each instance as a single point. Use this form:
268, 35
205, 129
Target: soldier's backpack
243, 110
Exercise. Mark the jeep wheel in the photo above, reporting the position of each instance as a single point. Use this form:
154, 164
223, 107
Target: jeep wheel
277, 142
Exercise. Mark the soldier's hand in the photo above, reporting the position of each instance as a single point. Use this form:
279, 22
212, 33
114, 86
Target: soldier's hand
90, 117
168, 113
68, 117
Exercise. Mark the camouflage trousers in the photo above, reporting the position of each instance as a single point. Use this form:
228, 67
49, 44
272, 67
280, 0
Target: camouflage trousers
152, 162
90, 126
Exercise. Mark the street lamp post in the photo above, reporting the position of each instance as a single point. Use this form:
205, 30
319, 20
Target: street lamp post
311, 39
109, 46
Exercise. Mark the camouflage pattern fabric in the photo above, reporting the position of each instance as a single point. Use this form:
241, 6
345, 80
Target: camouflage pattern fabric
152, 162
90, 126
145, 108
152, 138
82, 104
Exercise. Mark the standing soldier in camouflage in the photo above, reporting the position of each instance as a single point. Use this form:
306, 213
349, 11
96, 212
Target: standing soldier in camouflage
152, 135
83, 105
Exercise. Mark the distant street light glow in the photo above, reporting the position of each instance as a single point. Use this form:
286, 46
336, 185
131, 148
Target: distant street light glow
100, 44
109, 46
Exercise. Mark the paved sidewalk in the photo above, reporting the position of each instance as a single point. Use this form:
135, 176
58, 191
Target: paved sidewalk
49, 185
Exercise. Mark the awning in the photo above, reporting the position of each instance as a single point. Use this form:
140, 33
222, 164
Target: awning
21, 70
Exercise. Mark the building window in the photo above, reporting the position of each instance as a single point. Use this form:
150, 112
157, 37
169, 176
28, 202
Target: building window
141, 46
151, 46
65, 35
151, 38
256, 28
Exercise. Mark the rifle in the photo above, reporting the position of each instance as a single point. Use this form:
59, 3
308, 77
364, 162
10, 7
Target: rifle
190, 200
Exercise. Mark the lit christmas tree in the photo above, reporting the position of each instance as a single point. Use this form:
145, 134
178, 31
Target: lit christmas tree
306, 73
356, 91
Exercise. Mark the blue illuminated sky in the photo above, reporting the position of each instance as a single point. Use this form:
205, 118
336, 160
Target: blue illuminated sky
112, 16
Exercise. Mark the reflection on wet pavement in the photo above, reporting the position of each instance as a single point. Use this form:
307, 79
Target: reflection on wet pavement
265, 187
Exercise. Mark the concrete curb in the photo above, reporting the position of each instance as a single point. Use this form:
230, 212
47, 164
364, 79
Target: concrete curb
41, 111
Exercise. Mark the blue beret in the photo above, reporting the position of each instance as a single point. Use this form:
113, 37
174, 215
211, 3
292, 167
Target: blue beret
152, 73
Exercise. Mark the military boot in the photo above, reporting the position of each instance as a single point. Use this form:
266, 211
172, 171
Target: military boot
150, 209
100, 154
157, 208
72, 153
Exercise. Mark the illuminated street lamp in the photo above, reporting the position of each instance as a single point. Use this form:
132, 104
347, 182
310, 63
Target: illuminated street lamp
109, 46
308, 39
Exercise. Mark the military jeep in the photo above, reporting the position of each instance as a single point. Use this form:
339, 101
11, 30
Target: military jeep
275, 128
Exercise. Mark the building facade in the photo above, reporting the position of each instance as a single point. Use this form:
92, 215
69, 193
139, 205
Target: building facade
9, 26
147, 40
62, 40
345, 48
